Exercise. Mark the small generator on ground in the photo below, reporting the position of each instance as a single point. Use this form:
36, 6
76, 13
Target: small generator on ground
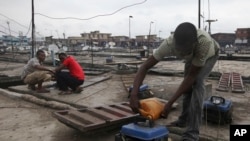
218, 110
138, 132
144, 92
143, 128
109, 59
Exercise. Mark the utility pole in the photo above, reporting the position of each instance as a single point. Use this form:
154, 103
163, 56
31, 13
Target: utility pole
64, 40
129, 35
149, 36
11, 38
209, 24
159, 35
199, 14
33, 30
209, 20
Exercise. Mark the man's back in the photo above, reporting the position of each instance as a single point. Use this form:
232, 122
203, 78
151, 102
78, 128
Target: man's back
74, 67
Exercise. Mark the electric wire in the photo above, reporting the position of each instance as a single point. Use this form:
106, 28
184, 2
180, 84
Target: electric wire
29, 28
18, 24
74, 18
14, 21
100, 15
8, 29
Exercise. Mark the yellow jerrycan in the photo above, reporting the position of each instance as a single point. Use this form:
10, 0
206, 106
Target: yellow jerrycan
151, 108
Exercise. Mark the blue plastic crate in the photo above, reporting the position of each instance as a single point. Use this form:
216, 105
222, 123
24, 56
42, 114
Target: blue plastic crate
144, 133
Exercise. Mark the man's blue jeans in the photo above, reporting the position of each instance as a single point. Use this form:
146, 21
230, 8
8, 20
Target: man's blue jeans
192, 105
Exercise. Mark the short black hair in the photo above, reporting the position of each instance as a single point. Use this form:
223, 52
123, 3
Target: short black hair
39, 51
62, 53
185, 33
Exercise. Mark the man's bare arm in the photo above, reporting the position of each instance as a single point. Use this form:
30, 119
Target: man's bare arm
59, 68
140, 75
40, 67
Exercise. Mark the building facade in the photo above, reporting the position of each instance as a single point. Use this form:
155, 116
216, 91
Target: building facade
224, 39
99, 39
242, 37
12, 40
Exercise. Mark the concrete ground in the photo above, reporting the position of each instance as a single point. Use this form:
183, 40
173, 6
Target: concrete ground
21, 120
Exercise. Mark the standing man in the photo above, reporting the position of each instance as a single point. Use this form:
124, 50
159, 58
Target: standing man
200, 52
35, 73
71, 79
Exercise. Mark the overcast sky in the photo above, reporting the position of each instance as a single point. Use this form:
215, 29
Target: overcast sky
166, 15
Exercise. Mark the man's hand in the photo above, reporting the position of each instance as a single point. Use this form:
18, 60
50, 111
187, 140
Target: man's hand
51, 71
134, 103
166, 110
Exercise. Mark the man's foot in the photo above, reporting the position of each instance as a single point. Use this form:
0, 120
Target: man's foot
32, 87
43, 90
78, 90
65, 92
177, 123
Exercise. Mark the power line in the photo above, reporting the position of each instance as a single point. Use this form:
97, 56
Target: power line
28, 29
73, 18
14, 21
101, 15
8, 29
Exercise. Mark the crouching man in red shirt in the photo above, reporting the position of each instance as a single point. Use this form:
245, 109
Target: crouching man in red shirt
72, 78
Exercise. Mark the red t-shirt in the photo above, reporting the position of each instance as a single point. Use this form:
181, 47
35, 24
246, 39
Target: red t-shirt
74, 68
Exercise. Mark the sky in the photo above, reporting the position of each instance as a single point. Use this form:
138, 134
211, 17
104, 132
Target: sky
112, 16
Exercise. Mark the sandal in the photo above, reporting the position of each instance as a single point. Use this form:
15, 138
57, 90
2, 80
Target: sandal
177, 124
43, 91
78, 90
64, 93
32, 87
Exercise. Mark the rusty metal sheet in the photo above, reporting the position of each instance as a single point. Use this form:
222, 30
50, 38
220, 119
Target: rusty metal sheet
232, 80
89, 119
97, 118
237, 83
224, 82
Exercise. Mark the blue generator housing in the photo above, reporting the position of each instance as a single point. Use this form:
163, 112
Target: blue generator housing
218, 110
133, 131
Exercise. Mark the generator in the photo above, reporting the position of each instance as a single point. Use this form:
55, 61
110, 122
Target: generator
143, 128
144, 92
109, 59
218, 110
138, 132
